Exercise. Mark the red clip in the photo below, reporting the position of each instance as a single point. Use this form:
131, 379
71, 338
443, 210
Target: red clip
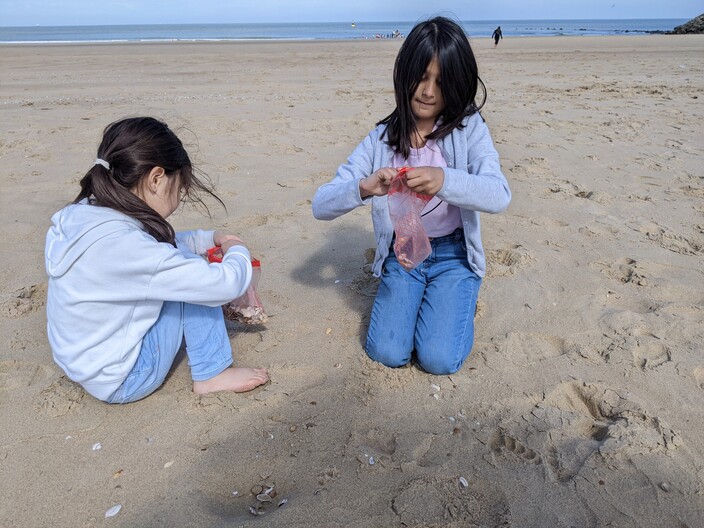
215, 254
402, 170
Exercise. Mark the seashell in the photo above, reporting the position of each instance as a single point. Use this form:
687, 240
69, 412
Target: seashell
97, 446
665, 486
256, 510
435, 387
257, 489
235, 493
463, 483
372, 461
168, 464
281, 503
113, 511
263, 497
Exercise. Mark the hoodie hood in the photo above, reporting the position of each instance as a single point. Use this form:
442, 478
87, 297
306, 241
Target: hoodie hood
75, 228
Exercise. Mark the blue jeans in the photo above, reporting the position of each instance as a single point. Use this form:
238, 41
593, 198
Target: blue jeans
429, 309
207, 346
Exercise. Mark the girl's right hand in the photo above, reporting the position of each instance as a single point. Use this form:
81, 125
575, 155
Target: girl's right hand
377, 183
220, 237
230, 242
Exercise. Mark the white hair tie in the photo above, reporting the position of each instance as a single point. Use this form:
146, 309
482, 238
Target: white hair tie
102, 162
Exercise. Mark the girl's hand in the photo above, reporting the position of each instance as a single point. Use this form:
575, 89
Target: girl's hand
226, 241
377, 184
230, 242
425, 180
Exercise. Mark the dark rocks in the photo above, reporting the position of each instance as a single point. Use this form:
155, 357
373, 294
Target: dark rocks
696, 25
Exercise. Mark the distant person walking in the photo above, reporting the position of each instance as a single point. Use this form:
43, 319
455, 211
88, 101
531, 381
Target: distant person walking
496, 35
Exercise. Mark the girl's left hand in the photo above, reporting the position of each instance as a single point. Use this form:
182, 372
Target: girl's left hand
425, 180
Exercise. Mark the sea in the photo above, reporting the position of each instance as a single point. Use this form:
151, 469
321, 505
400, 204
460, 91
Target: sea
320, 31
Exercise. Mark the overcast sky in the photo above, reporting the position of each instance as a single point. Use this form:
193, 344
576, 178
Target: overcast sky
78, 12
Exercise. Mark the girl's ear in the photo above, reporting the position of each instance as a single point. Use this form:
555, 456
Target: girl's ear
155, 178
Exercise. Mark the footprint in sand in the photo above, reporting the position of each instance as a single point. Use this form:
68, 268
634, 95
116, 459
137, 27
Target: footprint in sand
372, 449
699, 377
625, 270
649, 352
567, 190
522, 348
437, 450
16, 374
599, 230
24, 301
578, 419
502, 440
670, 240
505, 262
632, 333
446, 501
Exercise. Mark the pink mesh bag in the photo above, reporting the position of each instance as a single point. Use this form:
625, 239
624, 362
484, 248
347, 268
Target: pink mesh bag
411, 245
248, 308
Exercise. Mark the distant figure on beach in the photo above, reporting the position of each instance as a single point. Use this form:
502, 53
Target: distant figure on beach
125, 290
434, 148
496, 35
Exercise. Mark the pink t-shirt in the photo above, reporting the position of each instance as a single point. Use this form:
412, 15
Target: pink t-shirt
438, 217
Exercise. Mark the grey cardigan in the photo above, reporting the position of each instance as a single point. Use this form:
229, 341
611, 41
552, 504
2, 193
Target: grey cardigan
473, 182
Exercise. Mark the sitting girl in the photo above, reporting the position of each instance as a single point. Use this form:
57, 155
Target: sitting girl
124, 289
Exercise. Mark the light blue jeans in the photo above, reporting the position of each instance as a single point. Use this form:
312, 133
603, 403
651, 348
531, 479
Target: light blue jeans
429, 309
207, 346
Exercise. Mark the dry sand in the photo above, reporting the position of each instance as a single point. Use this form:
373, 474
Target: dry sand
582, 403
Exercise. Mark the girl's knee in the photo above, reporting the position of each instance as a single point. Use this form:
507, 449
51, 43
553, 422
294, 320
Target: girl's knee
439, 368
386, 355
441, 363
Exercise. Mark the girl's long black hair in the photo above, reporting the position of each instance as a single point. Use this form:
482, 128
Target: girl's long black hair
133, 147
445, 40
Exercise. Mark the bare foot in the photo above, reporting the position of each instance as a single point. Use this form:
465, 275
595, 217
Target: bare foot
233, 379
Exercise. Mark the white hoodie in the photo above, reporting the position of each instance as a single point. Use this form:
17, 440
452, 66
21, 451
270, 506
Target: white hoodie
108, 280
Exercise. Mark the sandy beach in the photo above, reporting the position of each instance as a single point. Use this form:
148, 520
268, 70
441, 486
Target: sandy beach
582, 404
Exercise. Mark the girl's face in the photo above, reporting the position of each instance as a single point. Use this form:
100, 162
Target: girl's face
171, 196
427, 102
160, 192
